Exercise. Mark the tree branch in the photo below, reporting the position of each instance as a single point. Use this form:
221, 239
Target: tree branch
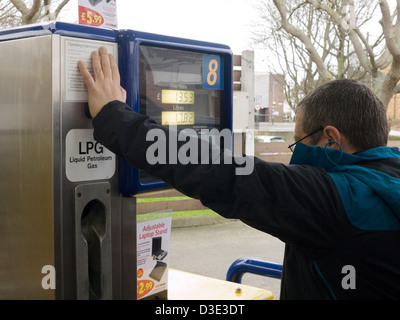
397, 26
322, 70
352, 34
36, 6
386, 23
20, 6
60, 7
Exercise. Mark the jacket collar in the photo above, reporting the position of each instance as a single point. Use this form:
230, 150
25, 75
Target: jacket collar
328, 158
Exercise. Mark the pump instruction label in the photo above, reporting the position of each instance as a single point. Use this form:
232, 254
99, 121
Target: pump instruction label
75, 50
85, 158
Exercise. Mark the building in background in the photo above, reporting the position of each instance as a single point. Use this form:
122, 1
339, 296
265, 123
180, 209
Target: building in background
270, 104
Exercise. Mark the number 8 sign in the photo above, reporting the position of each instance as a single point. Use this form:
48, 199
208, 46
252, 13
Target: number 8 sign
213, 72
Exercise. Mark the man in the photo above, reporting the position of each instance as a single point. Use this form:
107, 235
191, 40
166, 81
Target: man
336, 206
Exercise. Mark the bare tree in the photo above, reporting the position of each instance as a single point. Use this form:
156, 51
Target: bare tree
7, 14
319, 40
20, 12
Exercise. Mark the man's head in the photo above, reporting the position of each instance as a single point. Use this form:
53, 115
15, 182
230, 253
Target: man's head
347, 111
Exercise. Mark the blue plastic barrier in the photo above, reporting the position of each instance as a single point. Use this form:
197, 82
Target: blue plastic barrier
255, 266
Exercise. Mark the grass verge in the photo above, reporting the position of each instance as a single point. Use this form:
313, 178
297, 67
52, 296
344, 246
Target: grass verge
188, 213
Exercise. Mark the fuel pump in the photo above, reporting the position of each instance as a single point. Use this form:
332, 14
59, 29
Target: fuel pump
61, 205
68, 205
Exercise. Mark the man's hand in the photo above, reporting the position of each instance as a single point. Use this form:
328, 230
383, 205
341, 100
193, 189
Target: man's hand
105, 86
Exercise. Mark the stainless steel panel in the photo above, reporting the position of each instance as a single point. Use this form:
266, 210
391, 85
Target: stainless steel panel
38, 215
72, 117
26, 166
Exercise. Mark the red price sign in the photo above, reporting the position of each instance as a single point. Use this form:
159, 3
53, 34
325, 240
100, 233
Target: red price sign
144, 287
90, 17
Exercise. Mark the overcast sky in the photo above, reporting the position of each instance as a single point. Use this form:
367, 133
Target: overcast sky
222, 21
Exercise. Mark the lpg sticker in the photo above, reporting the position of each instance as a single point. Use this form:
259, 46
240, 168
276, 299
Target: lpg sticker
85, 158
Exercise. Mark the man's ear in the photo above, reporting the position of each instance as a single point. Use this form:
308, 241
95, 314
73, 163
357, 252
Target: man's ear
330, 133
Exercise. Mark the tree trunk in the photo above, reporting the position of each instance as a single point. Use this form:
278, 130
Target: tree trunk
390, 82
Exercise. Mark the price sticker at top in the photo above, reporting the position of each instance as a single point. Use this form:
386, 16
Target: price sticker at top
90, 17
98, 13
213, 72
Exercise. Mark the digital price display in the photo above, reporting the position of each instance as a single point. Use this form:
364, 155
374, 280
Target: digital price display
177, 97
169, 118
183, 88
181, 83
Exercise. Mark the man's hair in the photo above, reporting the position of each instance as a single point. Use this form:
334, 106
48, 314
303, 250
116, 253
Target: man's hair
349, 106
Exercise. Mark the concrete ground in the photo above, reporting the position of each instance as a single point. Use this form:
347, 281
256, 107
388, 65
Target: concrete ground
210, 250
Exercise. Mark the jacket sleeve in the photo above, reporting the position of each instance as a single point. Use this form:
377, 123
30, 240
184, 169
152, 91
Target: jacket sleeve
298, 204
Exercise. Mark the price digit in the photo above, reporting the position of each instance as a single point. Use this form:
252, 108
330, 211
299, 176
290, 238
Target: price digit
98, 19
89, 17
144, 287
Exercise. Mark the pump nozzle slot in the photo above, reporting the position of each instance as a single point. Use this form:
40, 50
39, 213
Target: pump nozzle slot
93, 223
93, 241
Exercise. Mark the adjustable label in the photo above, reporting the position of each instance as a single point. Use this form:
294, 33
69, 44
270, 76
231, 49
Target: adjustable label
153, 237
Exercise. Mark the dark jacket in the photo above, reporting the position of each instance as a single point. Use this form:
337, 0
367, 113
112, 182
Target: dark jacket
338, 214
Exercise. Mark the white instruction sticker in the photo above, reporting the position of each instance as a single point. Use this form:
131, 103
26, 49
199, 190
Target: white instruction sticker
86, 159
75, 50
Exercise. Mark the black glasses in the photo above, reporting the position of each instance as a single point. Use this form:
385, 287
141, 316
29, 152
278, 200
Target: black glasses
291, 147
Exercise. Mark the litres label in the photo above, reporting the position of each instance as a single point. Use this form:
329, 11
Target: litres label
85, 158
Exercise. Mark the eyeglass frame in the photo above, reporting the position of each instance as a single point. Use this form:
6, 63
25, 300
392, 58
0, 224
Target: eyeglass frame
309, 135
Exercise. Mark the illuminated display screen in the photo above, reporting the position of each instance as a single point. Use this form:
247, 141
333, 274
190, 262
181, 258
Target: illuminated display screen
185, 82
169, 118
180, 87
177, 97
